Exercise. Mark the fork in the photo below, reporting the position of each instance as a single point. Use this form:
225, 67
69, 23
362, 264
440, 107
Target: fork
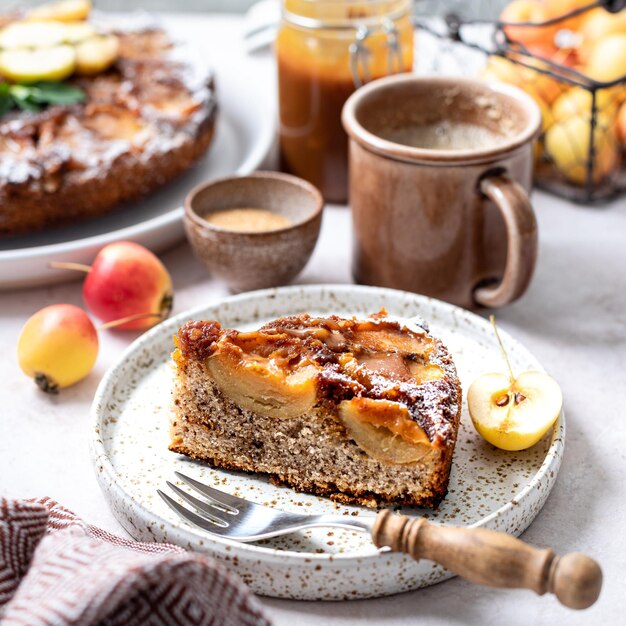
480, 555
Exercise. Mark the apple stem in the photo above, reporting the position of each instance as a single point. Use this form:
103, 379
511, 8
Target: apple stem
492, 319
130, 318
79, 267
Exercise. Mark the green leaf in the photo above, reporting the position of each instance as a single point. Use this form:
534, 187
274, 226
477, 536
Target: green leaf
55, 93
19, 91
21, 98
25, 104
34, 97
6, 102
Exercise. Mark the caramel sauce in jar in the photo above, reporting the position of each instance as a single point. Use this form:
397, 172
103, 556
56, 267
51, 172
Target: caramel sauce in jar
316, 75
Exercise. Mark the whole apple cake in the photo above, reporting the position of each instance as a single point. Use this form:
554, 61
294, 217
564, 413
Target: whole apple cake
363, 411
144, 120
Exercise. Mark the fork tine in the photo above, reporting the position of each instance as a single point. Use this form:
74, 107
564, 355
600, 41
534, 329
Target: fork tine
231, 504
190, 516
205, 509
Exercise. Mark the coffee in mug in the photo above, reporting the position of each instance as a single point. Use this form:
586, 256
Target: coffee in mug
440, 172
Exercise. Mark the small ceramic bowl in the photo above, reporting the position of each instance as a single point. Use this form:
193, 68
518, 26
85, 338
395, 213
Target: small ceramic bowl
254, 260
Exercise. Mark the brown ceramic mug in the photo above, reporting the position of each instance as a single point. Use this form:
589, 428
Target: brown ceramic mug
453, 223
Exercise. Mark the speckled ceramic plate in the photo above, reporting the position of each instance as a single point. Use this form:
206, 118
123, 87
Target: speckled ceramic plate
488, 487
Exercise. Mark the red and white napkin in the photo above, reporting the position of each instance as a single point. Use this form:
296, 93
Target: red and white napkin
56, 570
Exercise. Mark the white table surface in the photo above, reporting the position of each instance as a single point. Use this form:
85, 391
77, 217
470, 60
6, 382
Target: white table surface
573, 319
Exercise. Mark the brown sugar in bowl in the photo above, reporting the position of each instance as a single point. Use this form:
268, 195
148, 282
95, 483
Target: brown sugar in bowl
249, 259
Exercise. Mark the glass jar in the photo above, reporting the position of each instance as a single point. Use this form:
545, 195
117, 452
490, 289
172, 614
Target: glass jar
325, 49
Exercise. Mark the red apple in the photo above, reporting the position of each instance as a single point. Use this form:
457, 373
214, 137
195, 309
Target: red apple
558, 8
527, 11
562, 56
128, 281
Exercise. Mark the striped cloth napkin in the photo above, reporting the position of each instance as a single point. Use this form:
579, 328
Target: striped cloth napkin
57, 570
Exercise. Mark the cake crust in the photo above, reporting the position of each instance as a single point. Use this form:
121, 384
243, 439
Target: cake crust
315, 451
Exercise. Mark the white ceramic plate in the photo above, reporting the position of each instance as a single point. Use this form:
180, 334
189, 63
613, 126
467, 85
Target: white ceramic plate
488, 488
244, 138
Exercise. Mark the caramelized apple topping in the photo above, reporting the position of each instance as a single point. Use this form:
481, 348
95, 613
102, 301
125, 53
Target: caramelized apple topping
261, 385
381, 378
384, 430
383, 413
113, 122
423, 372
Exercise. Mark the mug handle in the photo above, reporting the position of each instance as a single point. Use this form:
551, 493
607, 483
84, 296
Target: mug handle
521, 226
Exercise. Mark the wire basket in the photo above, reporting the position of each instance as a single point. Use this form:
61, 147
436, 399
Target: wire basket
581, 153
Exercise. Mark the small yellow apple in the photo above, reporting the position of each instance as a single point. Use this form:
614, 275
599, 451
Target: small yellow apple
63, 11
57, 347
597, 25
607, 60
577, 101
568, 142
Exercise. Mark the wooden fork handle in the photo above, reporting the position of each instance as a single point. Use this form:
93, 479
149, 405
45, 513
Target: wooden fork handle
493, 558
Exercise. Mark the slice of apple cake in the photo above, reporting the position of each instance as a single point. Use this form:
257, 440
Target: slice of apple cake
363, 411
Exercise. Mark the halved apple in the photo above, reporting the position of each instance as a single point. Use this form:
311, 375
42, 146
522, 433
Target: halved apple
76, 32
29, 66
96, 54
63, 11
384, 430
514, 415
32, 35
